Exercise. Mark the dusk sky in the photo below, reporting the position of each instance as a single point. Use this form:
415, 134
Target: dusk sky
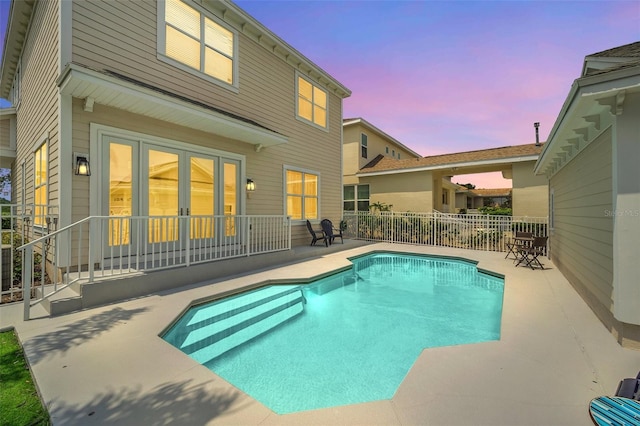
450, 76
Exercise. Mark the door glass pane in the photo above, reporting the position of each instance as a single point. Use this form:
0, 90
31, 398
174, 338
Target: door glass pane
120, 192
230, 196
202, 197
163, 196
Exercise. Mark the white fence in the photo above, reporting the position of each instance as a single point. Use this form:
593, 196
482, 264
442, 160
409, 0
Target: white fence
475, 232
106, 246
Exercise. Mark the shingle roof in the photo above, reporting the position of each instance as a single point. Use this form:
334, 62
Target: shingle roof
631, 50
382, 163
491, 192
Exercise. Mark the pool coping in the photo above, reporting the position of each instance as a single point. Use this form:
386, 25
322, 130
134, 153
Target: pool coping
109, 364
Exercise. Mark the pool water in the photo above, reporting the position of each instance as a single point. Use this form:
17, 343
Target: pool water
347, 338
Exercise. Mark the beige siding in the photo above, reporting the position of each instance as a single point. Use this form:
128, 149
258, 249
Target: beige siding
37, 113
581, 239
530, 192
407, 192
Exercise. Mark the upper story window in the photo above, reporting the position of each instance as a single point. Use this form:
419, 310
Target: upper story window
187, 37
363, 145
386, 150
311, 102
40, 180
302, 189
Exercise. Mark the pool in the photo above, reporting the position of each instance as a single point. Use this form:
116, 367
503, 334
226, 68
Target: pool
347, 338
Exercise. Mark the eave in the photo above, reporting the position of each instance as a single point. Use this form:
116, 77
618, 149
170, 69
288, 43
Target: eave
17, 26
454, 167
587, 112
99, 88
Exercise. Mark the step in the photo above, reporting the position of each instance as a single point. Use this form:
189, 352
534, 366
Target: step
207, 332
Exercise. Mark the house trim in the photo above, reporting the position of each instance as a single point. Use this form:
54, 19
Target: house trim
108, 90
451, 165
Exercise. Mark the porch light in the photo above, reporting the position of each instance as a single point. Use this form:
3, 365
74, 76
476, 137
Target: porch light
81, 164
251, 185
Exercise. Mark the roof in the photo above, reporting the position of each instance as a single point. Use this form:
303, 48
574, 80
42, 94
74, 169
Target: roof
365, 123
613, 59
527, 152
597, 95
490, 192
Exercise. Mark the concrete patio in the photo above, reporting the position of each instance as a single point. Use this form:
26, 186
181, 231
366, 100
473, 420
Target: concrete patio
107, 365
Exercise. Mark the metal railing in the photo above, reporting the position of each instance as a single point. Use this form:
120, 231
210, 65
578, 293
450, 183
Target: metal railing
100, 247
475, 232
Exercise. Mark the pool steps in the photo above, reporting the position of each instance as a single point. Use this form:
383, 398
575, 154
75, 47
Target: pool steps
209, 331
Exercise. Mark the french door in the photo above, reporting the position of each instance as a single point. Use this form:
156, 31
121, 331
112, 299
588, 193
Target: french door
166, 184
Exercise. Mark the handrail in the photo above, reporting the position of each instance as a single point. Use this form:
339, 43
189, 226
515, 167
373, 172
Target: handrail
98, 247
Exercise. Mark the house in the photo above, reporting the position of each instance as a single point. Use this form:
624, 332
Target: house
362, 143
387, 172
591, 162
162, 110
475, 198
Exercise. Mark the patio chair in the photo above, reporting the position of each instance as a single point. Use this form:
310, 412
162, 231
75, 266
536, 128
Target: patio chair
330, 231
629, 388
519, 240
528, 254
317, 235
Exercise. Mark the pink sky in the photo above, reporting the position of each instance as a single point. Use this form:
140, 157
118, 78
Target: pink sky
453, 76
449, 76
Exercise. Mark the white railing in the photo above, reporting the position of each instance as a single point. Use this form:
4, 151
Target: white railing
476, 232
101, 247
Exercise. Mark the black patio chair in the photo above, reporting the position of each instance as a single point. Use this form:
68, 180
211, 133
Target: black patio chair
521, 238
317, 235
330, 231
528, 254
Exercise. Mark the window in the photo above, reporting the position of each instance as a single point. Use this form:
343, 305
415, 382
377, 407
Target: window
302, 190
393, 153
356, 198
551, 210
40, 184
398, 156
363, 145
311, 102
386, 150
191, 38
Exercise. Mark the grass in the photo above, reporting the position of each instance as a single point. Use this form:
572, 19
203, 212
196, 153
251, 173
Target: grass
19, 400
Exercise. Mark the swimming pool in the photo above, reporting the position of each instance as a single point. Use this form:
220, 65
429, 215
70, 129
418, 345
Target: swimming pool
347, 338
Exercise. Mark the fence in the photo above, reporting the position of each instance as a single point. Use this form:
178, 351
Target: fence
107, 246
475, 232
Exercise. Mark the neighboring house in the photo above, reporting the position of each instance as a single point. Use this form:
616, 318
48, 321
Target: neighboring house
423, 184
476, 198
174, 104
363, 142
591, 161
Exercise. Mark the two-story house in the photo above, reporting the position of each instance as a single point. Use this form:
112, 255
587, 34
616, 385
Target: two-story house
161, 110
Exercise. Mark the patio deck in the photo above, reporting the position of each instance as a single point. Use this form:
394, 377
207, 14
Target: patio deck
107, 365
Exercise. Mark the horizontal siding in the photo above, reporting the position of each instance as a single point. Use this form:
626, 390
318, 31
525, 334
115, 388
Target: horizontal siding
581, 243
37, 112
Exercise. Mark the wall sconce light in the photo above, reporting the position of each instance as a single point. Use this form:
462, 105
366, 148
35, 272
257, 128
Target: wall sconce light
81, 164
251, 185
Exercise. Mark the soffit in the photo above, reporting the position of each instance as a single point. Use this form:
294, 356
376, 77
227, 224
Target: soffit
587, 113
135, 97
15, 35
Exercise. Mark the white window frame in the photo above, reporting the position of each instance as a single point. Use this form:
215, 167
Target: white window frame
304, 197
37, 147
161, 46
356, 199
297, 95
551, 209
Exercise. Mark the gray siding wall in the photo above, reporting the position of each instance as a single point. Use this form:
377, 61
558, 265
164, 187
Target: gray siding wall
37, 111
121, 36
581, 240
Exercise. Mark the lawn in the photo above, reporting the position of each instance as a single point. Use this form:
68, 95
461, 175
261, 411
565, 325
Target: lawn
19, 401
